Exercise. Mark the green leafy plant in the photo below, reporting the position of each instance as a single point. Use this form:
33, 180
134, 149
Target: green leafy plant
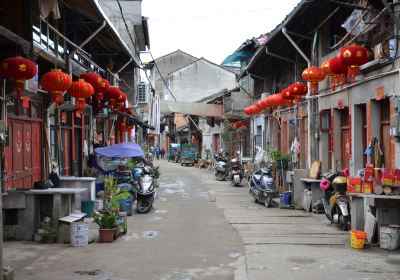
115, 199
132, 163
49, 232
275, 155
105, 220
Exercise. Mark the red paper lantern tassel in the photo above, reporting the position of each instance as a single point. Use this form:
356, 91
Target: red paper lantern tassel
314, 87
333, 82
80, 104
56, 97
353, 71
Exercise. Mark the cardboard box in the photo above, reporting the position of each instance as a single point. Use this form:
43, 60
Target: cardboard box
368, 187
369, 172
354, 184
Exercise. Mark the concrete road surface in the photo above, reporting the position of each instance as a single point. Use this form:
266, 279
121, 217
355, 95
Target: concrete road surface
201, 228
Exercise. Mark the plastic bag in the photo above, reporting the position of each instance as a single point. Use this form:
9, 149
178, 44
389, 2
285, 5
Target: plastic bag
363, 24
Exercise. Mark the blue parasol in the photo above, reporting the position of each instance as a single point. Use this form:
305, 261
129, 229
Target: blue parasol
122, 150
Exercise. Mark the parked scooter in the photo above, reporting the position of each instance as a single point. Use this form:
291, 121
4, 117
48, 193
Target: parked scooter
335, 200
221, 168
262, 186
235, 173
145, 188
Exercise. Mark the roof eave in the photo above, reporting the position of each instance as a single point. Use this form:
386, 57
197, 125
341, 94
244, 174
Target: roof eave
122, 42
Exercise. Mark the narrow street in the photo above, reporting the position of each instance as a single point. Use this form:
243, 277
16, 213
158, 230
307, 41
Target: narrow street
205, 229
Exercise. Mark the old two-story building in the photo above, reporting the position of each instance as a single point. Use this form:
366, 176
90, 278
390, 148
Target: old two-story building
333, 125
159, 69
74, 37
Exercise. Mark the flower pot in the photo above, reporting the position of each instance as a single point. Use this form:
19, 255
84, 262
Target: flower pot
106, 235
37, 237
49, 239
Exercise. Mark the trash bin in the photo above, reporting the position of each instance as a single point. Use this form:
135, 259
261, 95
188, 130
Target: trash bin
88, 208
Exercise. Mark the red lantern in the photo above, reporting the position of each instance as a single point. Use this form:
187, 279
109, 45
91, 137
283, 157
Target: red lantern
327, 70
80, 90
298, 89
353, 56
247, 110
94, 79
265, 102
286, 94
253, 109
56, 82
338, 70
260, 104
18, 69
111, 94
313, 75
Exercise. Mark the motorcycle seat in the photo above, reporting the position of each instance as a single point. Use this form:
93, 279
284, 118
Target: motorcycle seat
265, 171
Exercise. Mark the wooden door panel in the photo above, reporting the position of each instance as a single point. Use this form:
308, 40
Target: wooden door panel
346, 146
385, 143
18, 156
36, 152
28, 155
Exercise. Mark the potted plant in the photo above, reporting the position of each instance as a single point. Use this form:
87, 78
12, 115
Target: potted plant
281, 159
107, 222
49, 235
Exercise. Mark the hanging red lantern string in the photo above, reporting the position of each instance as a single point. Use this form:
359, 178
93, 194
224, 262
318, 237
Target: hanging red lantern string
80, 90
338, 70
313, 75
56, 82
19, 70
353, 57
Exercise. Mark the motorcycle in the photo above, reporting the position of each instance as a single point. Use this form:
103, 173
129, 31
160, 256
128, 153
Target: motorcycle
145, 187
262, 187
235, 174
335, 200
221, 168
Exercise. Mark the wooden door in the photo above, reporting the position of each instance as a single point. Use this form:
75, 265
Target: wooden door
23, 154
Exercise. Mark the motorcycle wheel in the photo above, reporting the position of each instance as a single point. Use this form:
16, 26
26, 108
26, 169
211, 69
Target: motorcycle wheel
345, 223
220, 176
268, 201
143, 205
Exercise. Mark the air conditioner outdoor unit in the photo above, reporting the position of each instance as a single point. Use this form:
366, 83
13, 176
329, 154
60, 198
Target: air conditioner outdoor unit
143, 89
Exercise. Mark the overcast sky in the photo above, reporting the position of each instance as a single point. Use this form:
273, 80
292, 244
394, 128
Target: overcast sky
212, 29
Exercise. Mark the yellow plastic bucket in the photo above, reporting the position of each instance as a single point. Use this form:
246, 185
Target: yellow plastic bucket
357, 239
